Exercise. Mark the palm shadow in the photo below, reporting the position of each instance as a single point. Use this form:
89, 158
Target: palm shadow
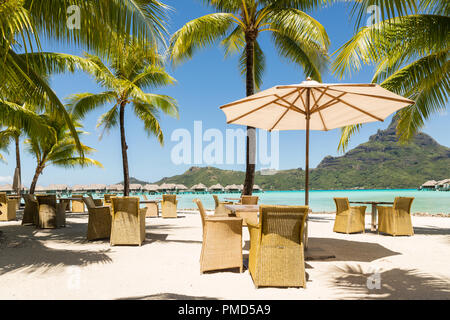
168, 296
392, 284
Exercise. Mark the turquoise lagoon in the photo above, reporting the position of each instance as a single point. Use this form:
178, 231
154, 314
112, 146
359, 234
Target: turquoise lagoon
322, 200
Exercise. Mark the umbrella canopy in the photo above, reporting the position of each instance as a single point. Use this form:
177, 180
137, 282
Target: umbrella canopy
311, 105
17, 185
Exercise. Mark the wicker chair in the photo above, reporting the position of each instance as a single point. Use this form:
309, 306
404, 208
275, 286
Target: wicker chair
249, 200
348, 219
51, 214
97, 202
31, 211
7, 208
396, 220
222, 242
99, 222
107, 199
169, 206
152, 208
78, 205
128, 221
220, 209
276, 255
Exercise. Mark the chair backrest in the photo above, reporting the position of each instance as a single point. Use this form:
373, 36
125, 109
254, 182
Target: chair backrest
249, 199
107, 197
282, 225
3, 198
29, 197
130, 205
403, 203
201, 209
89, 202
170, 198
216, 200
48, 199
342, 204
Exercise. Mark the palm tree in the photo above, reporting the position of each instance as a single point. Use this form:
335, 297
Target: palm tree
58, 149
238, 23
130, 72
21, 23
410, 52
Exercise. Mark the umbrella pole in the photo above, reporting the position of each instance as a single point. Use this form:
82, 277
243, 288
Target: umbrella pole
308, 116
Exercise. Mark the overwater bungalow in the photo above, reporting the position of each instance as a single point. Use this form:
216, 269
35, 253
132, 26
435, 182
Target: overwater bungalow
216, 188
232, 188
257, 188
181, 188
429, 185
150, 188
6, 188
199, 188
135, 187
167, 187
443, 185
77, 188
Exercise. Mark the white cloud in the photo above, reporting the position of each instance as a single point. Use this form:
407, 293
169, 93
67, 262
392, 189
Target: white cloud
7, 179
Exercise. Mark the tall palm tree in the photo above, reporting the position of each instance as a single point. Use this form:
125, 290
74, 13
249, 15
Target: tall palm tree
22, 22
58, 149
238, 23
130, 72
410, 52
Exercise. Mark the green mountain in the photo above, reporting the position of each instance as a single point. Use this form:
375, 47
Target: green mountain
377, 164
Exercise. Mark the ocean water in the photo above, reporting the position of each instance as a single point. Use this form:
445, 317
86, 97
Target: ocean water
425, 201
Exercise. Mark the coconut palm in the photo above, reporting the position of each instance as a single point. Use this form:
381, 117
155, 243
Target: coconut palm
22, 21
58, 148
410, 52
238, 23
130, 72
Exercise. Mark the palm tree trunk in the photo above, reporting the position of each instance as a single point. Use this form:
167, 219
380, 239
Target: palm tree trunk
18, 162
37, 173
251, 132
126, 176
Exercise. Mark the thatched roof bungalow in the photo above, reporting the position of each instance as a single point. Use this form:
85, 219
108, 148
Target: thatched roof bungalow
199, 187
216, 188
431, 184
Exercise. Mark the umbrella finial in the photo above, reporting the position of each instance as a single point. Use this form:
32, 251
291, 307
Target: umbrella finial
308, 79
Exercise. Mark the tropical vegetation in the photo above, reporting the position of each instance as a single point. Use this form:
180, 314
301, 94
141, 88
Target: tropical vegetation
237, 24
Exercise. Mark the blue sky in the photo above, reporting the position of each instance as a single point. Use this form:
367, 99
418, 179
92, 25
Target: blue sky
203, 84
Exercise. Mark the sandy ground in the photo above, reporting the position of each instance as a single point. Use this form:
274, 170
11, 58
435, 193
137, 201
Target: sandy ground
61, 264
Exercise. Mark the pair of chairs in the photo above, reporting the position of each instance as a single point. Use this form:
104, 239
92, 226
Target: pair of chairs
276, 255
7, 207
44, 212
395, 220
122, 221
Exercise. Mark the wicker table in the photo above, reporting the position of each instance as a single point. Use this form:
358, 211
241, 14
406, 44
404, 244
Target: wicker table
374, 204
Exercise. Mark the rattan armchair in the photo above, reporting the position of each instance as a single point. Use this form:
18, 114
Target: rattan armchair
97, 202
51, 214
249, 200
128, 221
78, 205
220, 209
169, 206
31, 211
276, 257
396, 220
152, 208
348, 219
99, 222
222, 242
7, 208
107, 199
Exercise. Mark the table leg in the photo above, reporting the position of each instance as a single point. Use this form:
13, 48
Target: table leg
373, 226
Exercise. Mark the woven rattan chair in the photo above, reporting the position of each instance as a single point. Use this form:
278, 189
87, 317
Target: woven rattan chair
169, 206
78, 205
31, 211
222, 242
249, 200
396, 220
276, 257
51, 214
107, 199
7, 208
97, 202
99, 222
348, 219
128, 221
152, 208
220, 209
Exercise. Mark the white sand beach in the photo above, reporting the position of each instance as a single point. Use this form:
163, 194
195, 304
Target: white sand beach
61, 264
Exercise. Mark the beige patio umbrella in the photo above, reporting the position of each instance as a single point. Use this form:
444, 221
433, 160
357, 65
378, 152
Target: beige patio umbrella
311, 105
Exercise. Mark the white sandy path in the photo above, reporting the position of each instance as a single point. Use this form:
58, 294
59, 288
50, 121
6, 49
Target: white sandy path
61, 264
